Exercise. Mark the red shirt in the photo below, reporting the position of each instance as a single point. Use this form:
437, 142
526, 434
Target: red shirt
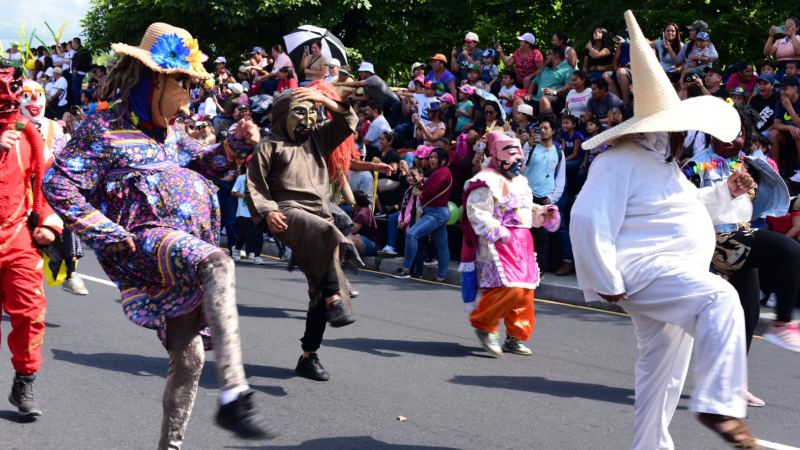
440, 181
289, 83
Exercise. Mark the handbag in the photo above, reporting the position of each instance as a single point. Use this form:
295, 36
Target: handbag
420, 209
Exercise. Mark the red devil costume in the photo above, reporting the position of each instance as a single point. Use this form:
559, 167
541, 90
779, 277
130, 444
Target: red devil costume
25, 221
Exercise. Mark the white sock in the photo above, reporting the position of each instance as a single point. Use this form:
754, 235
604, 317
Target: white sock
228, 395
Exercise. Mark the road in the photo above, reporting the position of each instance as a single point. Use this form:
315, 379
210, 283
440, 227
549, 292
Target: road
411, 353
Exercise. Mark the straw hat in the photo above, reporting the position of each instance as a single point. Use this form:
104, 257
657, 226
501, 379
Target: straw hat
657, 107
167, 49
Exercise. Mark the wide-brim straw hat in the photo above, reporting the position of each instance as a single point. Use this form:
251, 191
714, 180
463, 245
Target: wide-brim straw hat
657, 107
167, 49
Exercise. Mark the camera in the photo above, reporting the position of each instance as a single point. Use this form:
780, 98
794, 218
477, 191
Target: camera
690, 77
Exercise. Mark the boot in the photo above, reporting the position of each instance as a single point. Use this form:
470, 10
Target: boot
22, 395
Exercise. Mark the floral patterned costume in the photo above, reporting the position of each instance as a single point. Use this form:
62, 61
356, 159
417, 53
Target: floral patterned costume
112, 182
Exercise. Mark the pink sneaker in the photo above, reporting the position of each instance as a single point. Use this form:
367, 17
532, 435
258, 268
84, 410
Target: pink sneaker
786, 336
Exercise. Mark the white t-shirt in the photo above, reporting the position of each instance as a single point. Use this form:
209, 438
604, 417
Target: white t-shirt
239, 187
56, 60
505, 91
376, 128
423, 102
68, 55
578, 102
208, 108
61, 84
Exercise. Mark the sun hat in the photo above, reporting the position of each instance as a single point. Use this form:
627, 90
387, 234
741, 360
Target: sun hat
703, 36
49, 72
525, 109
698, 25
438, 57
471, 37
345, 70
447, 98
167, 49
467, 89
366, 67
658, 107
417, 65
220, 60
333, 62
528, 37
738, 90
236, 88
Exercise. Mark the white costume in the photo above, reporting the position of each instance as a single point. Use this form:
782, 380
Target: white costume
32, 104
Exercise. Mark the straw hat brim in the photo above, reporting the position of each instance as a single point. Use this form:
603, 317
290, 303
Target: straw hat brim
146, 58
706, 113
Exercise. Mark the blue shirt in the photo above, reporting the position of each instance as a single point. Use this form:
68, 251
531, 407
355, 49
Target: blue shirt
540, 170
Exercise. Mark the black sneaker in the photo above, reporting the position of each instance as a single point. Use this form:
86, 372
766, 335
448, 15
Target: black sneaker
337, 314
311, 368
401, 273
240, 417
22, 395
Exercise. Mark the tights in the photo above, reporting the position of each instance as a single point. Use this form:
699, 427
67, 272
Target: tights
316, 319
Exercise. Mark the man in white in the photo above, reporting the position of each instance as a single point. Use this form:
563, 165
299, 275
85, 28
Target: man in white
59, 90
334, 65
642, 237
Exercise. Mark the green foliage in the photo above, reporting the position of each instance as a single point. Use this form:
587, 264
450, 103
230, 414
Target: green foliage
394, 33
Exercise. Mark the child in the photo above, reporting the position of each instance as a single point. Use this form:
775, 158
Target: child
571, 140
593, 127
249, 237
489, 70
507, 90
473, 75
365, 230
466, 109
788, 225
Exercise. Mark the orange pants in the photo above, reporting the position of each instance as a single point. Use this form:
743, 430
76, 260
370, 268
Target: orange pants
22, 298
514, 305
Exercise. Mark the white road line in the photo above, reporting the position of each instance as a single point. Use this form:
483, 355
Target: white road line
98, 280
775, 445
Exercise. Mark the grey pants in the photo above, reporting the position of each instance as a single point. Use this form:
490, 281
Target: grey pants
185, 348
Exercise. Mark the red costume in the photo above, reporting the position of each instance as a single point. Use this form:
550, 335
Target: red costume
21, 170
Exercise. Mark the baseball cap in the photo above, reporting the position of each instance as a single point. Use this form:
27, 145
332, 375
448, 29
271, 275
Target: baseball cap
220, 59
428, 85
333, 62
703, 36
769, 78
474, 67
471, 37
528, 37
258, 50
49, 72
489, 53
236, 88
60, 70
789, 80
738, 90
417, 65
447, 98
438, 57
698, 25
525, 109
420, 79
366, 67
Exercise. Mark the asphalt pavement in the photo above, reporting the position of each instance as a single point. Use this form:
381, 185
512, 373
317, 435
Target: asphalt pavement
411, 354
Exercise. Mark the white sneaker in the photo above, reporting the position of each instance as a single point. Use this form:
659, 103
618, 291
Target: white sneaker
251, 256
796, 177
772, 301
786, 336
387, 252
258, 260
236, 255
74, 285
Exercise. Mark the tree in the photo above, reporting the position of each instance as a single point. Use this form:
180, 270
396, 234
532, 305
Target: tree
392, 34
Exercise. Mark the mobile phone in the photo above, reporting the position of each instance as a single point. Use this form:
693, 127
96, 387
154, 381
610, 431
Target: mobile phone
307, 49
779, 29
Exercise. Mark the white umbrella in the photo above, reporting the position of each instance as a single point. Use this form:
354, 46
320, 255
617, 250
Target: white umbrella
332, 47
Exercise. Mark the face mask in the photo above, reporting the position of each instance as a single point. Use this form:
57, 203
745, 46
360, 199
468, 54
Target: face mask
32, 101
301, 121
511, 169
169, 96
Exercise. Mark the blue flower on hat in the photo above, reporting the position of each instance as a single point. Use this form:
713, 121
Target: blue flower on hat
170, 52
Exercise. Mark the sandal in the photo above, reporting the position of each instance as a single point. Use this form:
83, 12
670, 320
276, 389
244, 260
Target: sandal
732, 429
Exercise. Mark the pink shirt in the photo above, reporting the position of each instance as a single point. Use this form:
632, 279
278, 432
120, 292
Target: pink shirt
783, 49
735, 80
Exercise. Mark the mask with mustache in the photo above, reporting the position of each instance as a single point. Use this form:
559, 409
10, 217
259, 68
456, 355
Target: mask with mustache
301, 121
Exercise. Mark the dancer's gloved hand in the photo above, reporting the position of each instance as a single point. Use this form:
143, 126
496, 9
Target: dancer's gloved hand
614, 298
123, 246
276, 222
740, 183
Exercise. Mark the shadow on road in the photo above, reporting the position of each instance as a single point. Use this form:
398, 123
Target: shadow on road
148, 366
13, 416
556, 388
348, 442
271, 313
392, 348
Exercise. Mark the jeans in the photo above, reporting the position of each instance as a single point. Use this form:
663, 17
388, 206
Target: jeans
370, 247
391, 230
75, 86
227, 208
562, 234
434, 223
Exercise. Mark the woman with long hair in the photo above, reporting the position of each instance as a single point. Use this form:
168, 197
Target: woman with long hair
561, 41
668, 47
314, 64
600, 54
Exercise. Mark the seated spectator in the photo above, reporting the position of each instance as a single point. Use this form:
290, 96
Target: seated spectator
344, 76
552, 83
788, 225
786, 129
615, 117
473, 76
764, 102
527, 60
744, 77
712, 82
619, 80
434, 130
286, 80
448, 106
415, 102
490, 120
334, 65
766, 67
466, 109
699, 51
403, 216
508, 89
365, 234
792, 68
378, 126
600, 54
523, 122
787, 48
577, 101
443, 80
417, 71
269, 81
489, 72
668, 47
602, 101
739, 95
204, 132
593, 128
561, 41
463, 59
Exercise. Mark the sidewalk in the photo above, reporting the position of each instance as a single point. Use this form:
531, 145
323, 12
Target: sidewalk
561, 289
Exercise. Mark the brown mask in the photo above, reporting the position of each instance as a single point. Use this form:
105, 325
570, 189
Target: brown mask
170, 94
301, 121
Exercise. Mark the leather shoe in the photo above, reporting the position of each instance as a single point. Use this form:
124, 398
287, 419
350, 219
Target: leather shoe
311, 368
337, 314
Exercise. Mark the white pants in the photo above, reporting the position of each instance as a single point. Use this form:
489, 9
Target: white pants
669, 315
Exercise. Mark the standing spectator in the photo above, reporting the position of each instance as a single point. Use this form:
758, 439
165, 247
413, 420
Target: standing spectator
508, 90
378, 126
467, 56
314, 64
785, 49
58, 95
81, 65
489, 71
552, 83
577, 103
249, 238
570, 55
376, 89
466, 109
545, 171
602, 101
443, 79
787, 122
526, 59
668, 47
600, 54
764, 103
433, 198
744, 77
693, 53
